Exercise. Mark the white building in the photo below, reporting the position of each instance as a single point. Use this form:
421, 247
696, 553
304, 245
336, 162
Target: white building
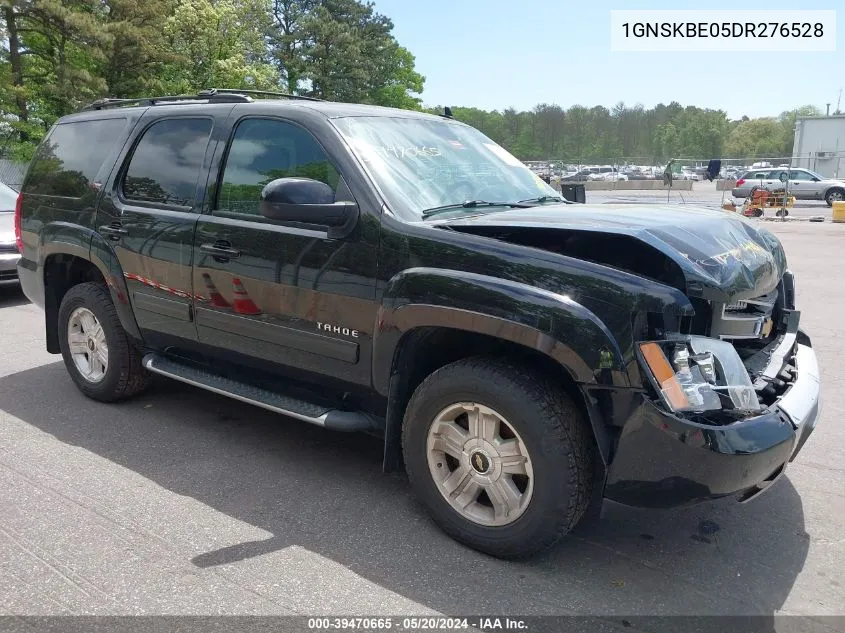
820, 145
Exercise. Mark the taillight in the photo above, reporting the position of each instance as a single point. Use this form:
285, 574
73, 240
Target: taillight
740, 182
18, 207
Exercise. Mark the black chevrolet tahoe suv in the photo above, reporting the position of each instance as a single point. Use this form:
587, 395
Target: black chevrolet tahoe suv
400, 274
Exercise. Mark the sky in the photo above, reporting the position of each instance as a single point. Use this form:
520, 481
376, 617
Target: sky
495, 54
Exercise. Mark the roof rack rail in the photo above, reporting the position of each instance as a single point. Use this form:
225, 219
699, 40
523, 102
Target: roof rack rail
211, 95
269, 93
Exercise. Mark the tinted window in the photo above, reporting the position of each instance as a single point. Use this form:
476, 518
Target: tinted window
263, 150
166, 163
67, 162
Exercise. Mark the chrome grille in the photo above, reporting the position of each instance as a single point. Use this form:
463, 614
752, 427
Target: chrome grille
745, 319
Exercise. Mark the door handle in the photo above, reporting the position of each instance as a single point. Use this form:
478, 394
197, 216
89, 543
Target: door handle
114, 230
220, 250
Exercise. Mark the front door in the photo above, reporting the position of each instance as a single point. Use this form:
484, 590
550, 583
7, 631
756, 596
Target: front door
803, 185
149, 214
274, 293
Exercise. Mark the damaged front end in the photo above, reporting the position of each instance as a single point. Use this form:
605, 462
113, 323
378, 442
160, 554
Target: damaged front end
761, 331
733, 399
722, 396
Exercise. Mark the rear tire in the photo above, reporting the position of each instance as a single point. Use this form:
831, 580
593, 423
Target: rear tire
100, 358
506, 515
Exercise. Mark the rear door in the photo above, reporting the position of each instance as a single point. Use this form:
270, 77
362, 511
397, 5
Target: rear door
149, 214
760, 178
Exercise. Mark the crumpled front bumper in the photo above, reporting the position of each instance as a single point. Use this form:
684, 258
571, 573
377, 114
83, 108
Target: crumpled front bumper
803, 403
662, 460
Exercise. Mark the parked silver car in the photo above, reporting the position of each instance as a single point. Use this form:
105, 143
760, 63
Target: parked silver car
9, 254
803, 184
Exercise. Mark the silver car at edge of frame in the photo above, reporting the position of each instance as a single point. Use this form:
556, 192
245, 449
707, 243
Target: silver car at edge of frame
803, 184
9, 254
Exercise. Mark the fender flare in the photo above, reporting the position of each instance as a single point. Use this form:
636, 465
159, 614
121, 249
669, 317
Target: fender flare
61, 238
509, 313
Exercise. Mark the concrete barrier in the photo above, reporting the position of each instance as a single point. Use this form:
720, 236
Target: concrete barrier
631, 185
725, 185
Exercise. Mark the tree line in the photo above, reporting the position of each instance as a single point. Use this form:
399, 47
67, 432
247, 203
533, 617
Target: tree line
600, 135
56, 55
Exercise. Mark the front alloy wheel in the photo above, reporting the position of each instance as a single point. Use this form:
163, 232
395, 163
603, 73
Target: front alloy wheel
480, 464
834, 195
499, 454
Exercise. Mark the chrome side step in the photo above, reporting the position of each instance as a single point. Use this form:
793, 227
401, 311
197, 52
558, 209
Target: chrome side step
259, 397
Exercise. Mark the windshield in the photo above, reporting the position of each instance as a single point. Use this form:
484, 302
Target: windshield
425, 164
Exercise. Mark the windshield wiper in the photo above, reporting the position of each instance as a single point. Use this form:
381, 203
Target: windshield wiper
472, 204
542, 199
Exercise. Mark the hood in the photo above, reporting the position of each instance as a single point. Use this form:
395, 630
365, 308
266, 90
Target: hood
710, 254
7, 227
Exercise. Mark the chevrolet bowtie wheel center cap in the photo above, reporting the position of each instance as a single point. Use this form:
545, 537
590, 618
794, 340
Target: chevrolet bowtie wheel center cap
480, 462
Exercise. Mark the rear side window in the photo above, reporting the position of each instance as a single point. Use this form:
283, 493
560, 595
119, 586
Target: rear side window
67, 162
166, 163
756, 175
263, 150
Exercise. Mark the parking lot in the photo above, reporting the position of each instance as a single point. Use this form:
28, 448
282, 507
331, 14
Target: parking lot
184, 502
704, 194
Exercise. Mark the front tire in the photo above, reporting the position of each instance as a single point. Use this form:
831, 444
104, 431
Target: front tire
501, 457
834, 195
99, 356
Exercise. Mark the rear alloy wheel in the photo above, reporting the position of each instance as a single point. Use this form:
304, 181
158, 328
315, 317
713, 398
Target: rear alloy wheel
834, 195
499, 455
103, 362
87, 345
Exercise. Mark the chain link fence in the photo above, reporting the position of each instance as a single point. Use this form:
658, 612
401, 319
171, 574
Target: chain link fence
12, 173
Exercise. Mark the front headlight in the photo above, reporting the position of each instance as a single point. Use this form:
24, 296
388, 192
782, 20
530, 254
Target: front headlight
699, 374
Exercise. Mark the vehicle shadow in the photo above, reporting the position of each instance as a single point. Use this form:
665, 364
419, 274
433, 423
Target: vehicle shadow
11, 296
325, 492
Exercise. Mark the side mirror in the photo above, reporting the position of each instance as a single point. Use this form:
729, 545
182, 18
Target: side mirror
307, 201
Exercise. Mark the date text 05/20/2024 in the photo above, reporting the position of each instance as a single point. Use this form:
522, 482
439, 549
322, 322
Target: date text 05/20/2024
425, 623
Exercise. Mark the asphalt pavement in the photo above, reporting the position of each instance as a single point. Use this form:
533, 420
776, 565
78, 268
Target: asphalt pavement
184, 502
